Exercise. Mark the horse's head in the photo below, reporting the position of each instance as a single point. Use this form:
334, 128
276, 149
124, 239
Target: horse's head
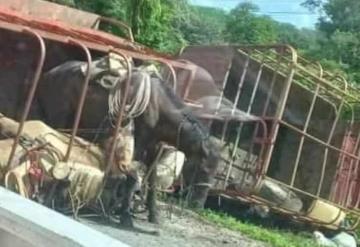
200, 170
203, 157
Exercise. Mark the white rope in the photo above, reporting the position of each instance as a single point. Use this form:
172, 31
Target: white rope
114, 101
139, 102
141, 99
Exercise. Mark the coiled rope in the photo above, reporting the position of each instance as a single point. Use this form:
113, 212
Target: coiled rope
138, 103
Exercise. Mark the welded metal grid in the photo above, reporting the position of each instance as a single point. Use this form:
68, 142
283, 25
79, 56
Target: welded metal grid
86, 40
288, 70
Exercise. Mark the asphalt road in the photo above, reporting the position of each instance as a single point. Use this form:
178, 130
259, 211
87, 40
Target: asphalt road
177, 228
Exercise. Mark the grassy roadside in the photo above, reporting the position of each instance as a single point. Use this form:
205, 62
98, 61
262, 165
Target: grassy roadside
274, 237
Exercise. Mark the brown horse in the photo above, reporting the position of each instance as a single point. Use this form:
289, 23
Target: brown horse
165, 119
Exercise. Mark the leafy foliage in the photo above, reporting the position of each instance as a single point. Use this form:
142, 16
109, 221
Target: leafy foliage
167, 25
203, 25
243, 26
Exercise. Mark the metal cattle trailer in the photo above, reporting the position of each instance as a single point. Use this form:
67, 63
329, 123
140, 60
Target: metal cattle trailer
310, 152
36, 36
298, 139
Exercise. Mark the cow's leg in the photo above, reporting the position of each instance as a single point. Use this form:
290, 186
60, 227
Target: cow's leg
125, 213
151, 197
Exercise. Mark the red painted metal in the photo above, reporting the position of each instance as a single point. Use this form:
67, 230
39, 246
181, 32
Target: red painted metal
347, 176
82, 95
30, 97
121, 116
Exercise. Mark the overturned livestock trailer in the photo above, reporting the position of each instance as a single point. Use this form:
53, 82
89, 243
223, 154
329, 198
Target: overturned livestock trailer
305, 160
32, 42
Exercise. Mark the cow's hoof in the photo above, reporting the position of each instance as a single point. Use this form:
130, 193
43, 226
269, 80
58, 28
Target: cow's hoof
126, 221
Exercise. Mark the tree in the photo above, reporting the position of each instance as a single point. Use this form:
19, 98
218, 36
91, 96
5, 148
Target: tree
243, 26
151, 20
313, 4
202, 25
342, 15
340, 26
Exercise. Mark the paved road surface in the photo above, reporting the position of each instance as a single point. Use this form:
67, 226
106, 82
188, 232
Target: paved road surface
182, 228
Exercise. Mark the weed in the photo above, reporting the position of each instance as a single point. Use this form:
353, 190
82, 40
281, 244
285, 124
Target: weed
274, 237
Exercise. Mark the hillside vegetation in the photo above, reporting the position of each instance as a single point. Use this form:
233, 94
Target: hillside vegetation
167, 25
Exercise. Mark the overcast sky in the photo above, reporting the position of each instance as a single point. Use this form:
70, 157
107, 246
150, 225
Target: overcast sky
281, 10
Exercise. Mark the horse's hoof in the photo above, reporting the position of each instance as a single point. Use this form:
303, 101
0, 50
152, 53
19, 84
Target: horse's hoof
126, 221
153, 219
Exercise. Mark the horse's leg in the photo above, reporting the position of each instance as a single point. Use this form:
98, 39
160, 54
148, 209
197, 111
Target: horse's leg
125, 214
151, 197
151, 159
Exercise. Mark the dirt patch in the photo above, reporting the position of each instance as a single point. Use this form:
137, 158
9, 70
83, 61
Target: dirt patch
177, 228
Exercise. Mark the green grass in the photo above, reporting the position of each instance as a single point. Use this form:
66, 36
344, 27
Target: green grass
274, 237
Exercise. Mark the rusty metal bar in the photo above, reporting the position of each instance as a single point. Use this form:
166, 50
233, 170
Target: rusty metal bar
327, 84
239, 131
302, 140
327, 150
346, 84
118, 24
260, 171
356, 150
355, 226
31, 94
238, 93
91, 44
321, 73
223, 86
338, 79
332, 94
190, 79
341, 161
82, 96
264, 112
252, 99
265, 109
313, 65
181, 50
321, 80
281, 109
344, 196
256, 86
357, 205
173, 74
122, 110
349, 184
270, 92
318, 140
321, 70
253, 94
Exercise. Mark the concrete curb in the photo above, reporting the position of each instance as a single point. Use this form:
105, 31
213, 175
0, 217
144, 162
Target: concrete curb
24, 223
